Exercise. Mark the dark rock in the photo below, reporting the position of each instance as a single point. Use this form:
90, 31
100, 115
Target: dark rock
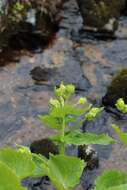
44, 147
89, 155
101, 15
38, 184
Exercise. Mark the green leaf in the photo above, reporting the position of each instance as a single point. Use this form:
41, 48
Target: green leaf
112, 180
79, 138
65, 171
8, 179
122, 136
18, 161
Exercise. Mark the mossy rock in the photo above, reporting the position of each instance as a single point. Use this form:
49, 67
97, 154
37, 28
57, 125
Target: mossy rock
117, 89
98, 13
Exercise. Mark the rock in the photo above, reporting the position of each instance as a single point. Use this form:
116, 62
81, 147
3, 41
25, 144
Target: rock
117, 89
45, 15
101, 15
44, 147
38, 184
89, 155
41, 14
41, 74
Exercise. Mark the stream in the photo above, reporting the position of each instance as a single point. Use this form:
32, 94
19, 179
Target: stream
27, 81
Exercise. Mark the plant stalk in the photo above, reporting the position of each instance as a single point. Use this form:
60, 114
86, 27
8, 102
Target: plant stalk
62, 145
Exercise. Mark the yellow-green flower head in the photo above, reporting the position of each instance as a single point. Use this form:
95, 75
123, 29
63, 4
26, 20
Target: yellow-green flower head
54, 102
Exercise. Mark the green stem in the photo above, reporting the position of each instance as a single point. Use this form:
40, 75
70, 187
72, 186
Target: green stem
62, 145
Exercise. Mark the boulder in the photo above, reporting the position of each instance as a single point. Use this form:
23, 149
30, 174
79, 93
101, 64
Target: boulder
101, 15
116, 90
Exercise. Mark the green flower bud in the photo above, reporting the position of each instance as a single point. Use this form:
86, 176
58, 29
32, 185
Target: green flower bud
82, 101
120, 104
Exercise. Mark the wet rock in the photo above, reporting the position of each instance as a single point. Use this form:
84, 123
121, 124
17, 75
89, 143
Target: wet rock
44, 147
89, 155
117, 89
101, 15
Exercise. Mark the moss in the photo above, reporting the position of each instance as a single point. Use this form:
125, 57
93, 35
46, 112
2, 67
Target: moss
117, 89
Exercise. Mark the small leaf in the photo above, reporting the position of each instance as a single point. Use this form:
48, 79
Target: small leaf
57, 139
79, 138
19, 162
8, 179
51, 121
112, 180
122, 136
67, 110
